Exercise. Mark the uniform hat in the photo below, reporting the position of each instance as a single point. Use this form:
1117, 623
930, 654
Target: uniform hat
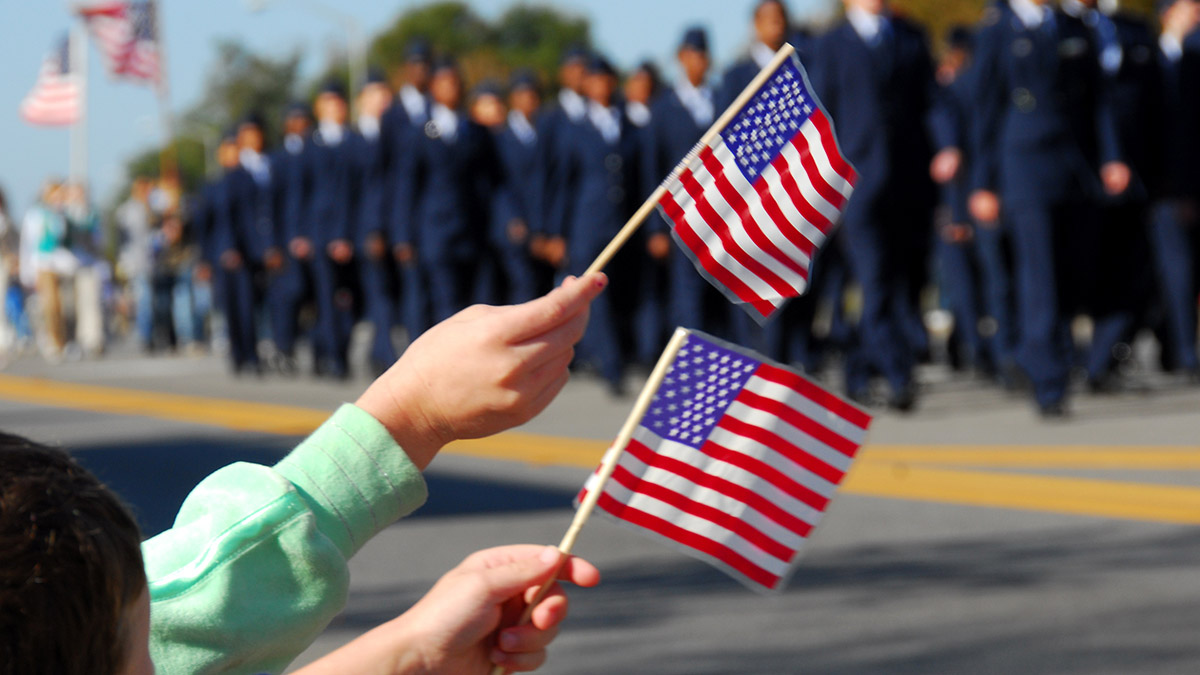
959, 37
695, 38
445, 62
524, 78
334, 86
418, 51
575, 54
375, 76
296, 109
598, 65
252, 118
488, 87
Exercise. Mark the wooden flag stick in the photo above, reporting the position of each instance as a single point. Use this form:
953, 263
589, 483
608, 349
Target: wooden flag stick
726, 117
607, 467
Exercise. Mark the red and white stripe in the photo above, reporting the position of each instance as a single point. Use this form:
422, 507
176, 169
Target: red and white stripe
55, 99
756, 239
750, 496
141, 61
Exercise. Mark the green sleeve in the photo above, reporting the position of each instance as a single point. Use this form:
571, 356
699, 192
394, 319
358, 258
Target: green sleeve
254, 567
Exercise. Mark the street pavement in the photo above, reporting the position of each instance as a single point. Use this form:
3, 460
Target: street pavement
970, 538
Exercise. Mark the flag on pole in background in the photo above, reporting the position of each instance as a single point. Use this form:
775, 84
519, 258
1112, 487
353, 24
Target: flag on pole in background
735, 460
752, 206
125, 33
55, 98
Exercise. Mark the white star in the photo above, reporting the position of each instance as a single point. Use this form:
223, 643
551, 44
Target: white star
683, 437
724, 370
683, 377
658, 424
673, 432
674, 421
671, 394
656, 411
724, 381
709, 410
672, 408
710, 421
711, 388
748, 368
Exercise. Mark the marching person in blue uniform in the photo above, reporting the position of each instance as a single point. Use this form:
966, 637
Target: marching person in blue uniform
1127, 49
519, 208
1175, 183
1045, 150
326, 244
486, 107
230, 255
772, 28
404, 118
599, 162
288, 285
875, 77
446, 181
564, 119
647, 301
371, 179
962, 272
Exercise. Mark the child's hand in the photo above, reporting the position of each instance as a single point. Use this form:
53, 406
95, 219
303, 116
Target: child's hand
456, 629
483, 370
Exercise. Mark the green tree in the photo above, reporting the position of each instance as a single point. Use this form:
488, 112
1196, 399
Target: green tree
525, 36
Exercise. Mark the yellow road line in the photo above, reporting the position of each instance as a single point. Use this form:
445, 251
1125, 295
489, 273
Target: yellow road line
1163, 503
1151, 458
230, 414
899, 471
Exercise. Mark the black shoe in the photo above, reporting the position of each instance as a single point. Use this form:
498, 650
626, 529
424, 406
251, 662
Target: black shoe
904, 400
1108, 383
1053, 411
862, 397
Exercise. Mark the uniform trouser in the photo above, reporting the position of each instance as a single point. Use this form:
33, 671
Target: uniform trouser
449, 284
958, 277
1121, 282
287, 289
518, 271
995, 280
694, 302
650, 317
601, 343
1048, 287
235, 293
378, 278
1174, 247
881, 344
335, 312
413, 299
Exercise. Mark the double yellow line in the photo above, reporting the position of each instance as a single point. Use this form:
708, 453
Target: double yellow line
971, 475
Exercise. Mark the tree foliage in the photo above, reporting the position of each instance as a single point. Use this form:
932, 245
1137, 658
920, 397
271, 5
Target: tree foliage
525, 36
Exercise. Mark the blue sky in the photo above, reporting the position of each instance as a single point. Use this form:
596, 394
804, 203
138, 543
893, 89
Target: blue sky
123, 118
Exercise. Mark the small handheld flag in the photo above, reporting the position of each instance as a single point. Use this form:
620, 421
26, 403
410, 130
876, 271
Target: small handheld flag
759, 194
735, 460
728, 456
752, 203
55, 97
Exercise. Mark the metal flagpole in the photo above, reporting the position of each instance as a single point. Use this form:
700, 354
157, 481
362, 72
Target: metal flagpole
607, 467
168, 161
78, 47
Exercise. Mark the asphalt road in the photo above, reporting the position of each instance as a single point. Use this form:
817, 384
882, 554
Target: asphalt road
970, 538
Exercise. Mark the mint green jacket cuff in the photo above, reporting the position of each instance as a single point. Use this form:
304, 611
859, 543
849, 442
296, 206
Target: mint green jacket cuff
254, 567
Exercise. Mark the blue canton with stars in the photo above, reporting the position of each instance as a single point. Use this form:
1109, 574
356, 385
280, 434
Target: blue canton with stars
771, 119
697, 390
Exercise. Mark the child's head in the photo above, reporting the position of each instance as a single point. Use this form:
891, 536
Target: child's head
73, 596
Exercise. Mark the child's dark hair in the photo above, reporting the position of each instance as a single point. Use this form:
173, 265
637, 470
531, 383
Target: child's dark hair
70, 565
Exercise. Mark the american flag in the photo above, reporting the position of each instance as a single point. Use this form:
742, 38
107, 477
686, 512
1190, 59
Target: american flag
55, 98
734, 461
752, 206
125, 33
